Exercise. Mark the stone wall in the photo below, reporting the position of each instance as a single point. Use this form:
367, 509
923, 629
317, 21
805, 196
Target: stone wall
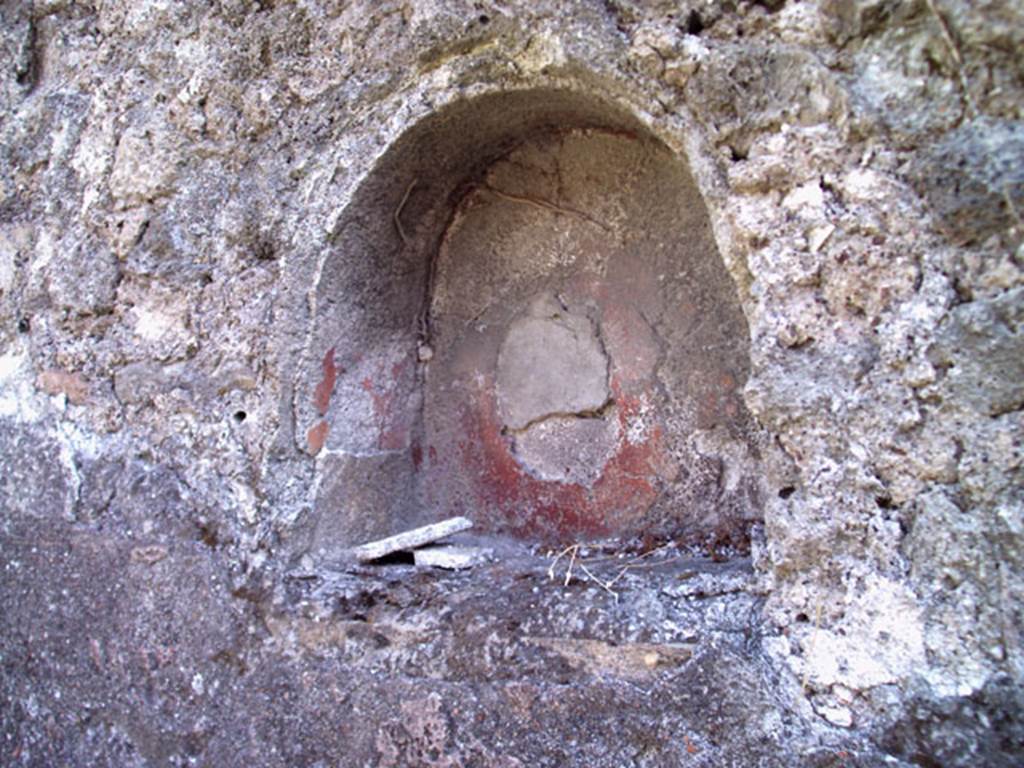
206, 210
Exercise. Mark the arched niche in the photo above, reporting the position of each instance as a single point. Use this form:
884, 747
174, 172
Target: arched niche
524, 319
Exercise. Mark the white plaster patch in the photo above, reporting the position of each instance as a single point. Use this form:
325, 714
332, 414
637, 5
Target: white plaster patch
161, 318
551, 362
12, 240
245, 500
6, 269
809, 199
862, 185
841, 716
18, 396
884, 641
544, 50
638, 428
44, 251
144, 14
153, 325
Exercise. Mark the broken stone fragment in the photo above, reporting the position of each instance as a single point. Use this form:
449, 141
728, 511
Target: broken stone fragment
140, 382
818, 236
417, 537
144, 167
678, 73
453, 558
838, 715
58, 382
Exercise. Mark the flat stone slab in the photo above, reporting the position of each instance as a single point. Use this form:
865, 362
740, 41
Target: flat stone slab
454, 558
407, 540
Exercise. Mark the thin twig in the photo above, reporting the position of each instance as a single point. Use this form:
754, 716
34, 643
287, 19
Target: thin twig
576, 562
398, 212
947, 36
568, 571
635, 558
619, 575
559, 556
606, 586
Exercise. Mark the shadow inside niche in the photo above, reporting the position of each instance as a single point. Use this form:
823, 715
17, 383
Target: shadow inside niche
525, 320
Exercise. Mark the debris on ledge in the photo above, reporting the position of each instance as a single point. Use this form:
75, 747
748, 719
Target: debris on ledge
411, 540
452, 557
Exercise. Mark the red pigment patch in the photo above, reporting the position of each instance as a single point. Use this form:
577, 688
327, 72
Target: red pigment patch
630, 344
626, 488
525, 506
381, 408
397, 427
324, 390
529, 507
317, 436
394, 424
717, 399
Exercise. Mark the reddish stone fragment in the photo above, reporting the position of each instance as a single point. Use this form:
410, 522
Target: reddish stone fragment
58, 382
317, 436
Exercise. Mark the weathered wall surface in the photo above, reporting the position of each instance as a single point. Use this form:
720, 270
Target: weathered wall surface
583, 358
191, 202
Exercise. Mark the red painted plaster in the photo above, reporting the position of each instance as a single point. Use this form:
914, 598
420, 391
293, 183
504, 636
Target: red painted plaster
324, 390
317, 436
510, 499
